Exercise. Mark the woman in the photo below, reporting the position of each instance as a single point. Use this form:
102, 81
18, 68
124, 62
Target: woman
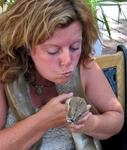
42, 44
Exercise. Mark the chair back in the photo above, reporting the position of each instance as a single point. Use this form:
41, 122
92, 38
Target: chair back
114, 67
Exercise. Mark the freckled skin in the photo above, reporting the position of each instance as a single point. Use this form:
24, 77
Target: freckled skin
61, 43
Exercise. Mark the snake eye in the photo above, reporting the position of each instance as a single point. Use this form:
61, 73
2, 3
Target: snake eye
72, 120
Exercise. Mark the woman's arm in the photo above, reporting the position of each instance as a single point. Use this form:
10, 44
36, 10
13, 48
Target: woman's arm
25, 133
100, 94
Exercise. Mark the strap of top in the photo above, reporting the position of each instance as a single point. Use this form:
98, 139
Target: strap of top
19, 98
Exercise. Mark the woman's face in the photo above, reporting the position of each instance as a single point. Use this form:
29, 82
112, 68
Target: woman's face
56, 58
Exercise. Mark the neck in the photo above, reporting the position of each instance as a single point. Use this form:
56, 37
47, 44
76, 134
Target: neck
41, 80
40, 84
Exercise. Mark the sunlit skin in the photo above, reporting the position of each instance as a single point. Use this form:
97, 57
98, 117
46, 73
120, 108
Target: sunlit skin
56, 58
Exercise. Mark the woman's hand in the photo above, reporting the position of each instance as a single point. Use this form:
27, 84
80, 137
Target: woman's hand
55, 110
85, 123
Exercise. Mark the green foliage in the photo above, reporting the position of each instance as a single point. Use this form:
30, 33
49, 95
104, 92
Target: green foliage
95, 4
8, 2
1, 3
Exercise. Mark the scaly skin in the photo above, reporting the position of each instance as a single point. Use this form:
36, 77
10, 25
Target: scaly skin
76, 107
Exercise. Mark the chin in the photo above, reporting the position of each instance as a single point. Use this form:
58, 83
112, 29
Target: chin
62, 81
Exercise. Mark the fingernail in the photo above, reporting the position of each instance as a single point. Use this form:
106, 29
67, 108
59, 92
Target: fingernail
71, 94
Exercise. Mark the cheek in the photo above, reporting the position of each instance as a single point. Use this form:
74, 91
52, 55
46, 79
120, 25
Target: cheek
43, 62
76, 57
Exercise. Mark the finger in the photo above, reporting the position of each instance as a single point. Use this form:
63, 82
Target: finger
83, 115
63, 97
67, 125
80, 126
76, 128
88, 107
85, 118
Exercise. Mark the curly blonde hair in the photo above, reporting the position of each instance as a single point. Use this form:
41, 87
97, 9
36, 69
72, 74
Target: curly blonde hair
30, 22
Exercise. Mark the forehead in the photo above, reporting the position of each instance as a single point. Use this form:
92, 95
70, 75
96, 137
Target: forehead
71, 32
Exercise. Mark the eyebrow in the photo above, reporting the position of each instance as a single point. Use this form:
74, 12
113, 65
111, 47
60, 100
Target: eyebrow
51, 44
48, 45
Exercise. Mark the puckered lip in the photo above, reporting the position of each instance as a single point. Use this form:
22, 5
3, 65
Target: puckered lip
67, 74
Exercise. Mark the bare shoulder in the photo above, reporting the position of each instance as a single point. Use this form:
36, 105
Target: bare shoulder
97, 88
3, 106
90, 71
90, 68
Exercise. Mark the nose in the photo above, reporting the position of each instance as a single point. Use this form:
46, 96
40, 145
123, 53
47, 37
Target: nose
65, 58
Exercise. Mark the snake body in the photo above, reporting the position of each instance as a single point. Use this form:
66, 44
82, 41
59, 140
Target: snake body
76, 107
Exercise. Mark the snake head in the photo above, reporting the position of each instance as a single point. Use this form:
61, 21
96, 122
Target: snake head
76, 107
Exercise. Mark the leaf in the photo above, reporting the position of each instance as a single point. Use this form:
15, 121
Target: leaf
94, 3
106, 22
1, 3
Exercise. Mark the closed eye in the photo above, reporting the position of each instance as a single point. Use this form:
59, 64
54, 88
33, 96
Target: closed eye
53, 53
74, 48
